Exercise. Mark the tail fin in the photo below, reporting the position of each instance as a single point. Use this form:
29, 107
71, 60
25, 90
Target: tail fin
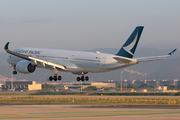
128, 49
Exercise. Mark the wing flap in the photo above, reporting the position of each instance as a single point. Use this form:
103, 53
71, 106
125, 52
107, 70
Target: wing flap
47, 63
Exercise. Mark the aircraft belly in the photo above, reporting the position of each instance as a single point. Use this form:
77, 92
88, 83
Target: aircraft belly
88, 66
107, 67
95, 67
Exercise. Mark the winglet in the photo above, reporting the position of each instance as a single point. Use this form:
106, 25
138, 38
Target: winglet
6, 46
172, 52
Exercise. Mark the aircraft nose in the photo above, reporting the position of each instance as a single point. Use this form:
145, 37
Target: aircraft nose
9, 58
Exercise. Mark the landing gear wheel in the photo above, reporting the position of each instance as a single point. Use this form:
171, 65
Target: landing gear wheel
50, 78
14, 72
82, 78
59, 77
55, 78
78, 79
86, 78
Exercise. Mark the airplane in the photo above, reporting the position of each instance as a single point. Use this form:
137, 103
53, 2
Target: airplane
26, 60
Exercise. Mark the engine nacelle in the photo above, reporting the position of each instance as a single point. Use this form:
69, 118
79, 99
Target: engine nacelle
25, 67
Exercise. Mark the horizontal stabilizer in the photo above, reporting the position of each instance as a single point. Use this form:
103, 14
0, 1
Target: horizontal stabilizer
124, 60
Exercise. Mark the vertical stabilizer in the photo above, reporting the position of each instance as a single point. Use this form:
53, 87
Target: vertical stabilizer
128, 49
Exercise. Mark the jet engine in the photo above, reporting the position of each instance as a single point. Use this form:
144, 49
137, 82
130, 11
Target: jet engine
25, 67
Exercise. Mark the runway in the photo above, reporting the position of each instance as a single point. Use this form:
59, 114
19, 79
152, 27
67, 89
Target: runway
12, 111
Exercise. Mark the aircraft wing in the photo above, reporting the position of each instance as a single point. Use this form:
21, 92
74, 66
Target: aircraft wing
154, 58
36, 61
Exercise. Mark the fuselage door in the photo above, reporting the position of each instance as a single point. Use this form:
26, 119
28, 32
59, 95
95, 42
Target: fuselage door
103, 60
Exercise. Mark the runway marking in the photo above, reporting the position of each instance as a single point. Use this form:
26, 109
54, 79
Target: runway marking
87, 114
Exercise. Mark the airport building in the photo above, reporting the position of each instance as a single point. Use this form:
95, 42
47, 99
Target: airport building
85, 85
137, 83
21, 85
163, 83
177, 83
151, 83
118, 82
1, 85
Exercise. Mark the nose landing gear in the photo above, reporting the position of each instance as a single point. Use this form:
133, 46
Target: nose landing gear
14, 70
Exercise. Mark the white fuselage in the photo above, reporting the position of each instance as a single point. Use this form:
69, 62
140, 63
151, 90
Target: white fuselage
75, 61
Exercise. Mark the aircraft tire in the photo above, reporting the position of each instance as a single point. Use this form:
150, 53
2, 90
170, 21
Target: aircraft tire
14, 72
82, 78
78, 79
50, 78
87, 78
55, 78
59, 77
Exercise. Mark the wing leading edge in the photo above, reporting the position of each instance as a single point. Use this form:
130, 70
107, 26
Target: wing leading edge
36, 61
154, 58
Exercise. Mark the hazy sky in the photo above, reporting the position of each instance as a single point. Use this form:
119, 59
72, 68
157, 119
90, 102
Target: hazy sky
88, 24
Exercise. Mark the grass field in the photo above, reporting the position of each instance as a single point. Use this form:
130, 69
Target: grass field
85, 99
108, 93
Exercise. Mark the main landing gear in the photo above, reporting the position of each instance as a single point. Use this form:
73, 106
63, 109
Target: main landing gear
82, 78
14, 72
55, 78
